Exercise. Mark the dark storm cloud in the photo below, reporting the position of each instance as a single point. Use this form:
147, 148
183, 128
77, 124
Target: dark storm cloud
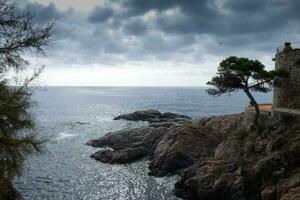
138, 7
100, 14
253, 6
44, 14
164, 29
135, 27
205, 16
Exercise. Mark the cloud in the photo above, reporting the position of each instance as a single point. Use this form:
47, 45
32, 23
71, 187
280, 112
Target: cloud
254, 6
44, 14
135, 26
100, 14
118, 32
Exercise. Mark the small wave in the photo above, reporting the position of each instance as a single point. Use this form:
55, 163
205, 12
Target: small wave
63, 135
74, 124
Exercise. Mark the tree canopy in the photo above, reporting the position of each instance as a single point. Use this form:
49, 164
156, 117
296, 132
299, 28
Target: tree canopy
236, 74
19, 35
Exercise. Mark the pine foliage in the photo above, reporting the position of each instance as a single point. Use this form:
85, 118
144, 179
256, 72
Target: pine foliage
19, 35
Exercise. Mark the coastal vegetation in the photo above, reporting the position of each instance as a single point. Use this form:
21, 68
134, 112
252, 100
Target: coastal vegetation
244, 74
20, 36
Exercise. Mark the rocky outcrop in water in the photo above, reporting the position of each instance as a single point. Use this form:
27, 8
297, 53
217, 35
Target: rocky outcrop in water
171, 146
216, 158
128, 145
152, 116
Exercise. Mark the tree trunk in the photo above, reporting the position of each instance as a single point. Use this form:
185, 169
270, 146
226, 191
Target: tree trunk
253, 102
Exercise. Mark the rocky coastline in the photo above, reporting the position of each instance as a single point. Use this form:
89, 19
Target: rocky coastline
216, 157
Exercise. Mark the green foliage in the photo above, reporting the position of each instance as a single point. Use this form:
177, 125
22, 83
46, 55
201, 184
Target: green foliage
18, 139
19, 34
242, 73
236, 74
17, 136
279, 73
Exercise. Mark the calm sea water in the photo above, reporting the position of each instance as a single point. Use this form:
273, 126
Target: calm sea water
74, 115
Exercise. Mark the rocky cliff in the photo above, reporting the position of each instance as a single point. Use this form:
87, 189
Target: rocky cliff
215, 157
247, 166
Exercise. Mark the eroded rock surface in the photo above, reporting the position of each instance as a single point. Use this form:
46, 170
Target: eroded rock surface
252, 167
180, 148
216, 158
151, 116
128, 145
171, 145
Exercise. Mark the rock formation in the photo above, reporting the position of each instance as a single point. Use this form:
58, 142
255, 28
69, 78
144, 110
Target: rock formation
216, 158
250, 167
151, 116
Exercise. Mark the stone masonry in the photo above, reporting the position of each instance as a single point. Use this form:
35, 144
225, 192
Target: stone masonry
288, 94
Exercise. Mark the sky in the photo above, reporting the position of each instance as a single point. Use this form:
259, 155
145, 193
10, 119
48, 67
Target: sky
158, 42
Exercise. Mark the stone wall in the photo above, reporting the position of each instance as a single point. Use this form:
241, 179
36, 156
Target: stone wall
288, 95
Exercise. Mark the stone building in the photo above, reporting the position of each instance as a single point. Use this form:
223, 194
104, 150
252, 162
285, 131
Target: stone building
286, 98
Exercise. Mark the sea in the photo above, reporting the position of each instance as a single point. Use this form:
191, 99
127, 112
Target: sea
71, 116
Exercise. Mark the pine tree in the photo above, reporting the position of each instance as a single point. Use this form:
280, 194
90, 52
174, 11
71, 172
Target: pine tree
236, 74
19, 35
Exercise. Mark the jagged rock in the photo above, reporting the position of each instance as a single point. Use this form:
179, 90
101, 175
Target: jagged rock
181, 148
120, 156
269, 193
211, 180
152, 116
292, 194
171, 146
213, 159
286, 185
128, 145
268, 172
225, 150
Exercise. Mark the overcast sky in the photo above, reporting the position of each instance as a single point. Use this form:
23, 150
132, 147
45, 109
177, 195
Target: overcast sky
158, 42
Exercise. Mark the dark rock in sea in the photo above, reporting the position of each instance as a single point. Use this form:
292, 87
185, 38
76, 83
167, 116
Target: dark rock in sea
151, 116
128, 145
170, 146
120, 156
216, 157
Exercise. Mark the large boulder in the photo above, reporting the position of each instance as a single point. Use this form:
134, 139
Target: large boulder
182, 147
211, 180
127, 145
